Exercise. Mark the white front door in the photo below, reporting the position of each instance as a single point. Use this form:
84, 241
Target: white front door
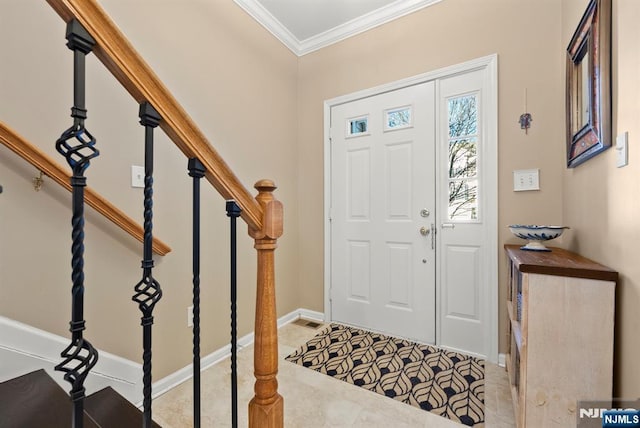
412, 208
382, 208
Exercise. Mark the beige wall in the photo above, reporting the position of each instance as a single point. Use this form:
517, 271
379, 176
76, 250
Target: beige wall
238, 83
600, 201
263, 109
524, 34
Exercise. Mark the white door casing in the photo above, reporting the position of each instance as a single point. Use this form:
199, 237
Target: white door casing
383, 191
451, 314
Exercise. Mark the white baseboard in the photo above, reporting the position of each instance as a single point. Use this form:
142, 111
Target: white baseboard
502, 360
24, 349
176, 378
311, 315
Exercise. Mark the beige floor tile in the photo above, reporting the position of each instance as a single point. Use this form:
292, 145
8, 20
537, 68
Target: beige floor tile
313, 400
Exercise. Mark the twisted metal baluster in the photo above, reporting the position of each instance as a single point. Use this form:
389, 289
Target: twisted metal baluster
233, 212
77, 145
148, 291
197, 171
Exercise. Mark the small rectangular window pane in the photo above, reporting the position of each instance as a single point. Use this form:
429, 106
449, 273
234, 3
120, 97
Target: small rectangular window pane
397, 118
463, 200
463, 116
358, 126
463, 158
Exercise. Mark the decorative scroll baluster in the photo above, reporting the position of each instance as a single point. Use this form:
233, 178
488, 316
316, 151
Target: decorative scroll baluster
233, 212
78, 147
148, 291
266, 409
197, 171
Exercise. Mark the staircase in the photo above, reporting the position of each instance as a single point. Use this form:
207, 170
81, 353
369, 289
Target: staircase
35, 400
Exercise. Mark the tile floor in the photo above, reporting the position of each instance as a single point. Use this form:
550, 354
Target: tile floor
313, 399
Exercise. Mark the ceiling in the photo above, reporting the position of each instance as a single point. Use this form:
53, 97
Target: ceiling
308, 25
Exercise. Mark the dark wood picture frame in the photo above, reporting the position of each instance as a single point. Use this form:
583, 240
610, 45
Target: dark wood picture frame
588, 85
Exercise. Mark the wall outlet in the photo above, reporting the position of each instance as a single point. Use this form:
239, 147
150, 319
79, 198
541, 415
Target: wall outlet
190, 316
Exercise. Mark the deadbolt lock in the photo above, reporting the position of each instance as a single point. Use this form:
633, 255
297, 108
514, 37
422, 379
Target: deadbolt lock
424, 212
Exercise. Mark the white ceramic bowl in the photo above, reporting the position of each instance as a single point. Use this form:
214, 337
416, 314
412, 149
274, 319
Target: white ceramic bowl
536, 235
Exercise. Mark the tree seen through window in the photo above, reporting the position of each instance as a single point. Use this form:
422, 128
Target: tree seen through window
463, 156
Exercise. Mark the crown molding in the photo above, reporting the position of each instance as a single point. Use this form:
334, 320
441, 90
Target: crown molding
366, 22
268, 21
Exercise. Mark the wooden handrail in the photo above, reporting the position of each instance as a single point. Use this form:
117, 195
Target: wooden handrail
57, 173
134, 74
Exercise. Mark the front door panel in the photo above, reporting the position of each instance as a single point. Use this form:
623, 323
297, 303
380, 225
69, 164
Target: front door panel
383, 191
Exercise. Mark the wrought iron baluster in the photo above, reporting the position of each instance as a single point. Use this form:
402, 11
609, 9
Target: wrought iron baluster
197, 171
233, 212
77, 145
147, 291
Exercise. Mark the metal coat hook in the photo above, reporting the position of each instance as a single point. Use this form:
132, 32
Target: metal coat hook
38, 182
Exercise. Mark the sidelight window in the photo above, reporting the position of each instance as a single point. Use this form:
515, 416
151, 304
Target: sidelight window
462, 113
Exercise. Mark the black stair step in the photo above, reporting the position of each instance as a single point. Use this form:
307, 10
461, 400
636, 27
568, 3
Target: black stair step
108, 409
35, 400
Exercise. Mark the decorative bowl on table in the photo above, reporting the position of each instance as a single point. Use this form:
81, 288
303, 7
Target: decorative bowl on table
536, 235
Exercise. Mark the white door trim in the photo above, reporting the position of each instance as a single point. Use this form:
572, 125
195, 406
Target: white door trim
490, 64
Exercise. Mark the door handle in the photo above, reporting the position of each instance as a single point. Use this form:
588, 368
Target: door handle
433, 236
424, 231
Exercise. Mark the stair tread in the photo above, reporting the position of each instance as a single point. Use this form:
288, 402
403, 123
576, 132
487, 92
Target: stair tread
35, 400
110, 410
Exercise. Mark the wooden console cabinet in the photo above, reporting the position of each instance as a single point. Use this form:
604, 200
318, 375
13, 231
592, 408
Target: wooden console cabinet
561, 315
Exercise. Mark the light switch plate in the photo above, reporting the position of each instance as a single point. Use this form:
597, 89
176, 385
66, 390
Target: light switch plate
622, 154
526, 179
137, 176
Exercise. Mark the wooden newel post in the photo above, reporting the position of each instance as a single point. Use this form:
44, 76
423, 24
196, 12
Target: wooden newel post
266, 409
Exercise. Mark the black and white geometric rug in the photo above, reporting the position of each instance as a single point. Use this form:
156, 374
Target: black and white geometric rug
443, 382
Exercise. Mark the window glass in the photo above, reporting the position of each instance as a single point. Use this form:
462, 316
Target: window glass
463, 116
463, 158
463, 144
397, 118
357, 126
463, 200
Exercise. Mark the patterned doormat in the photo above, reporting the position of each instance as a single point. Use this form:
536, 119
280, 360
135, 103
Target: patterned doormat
443, 382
